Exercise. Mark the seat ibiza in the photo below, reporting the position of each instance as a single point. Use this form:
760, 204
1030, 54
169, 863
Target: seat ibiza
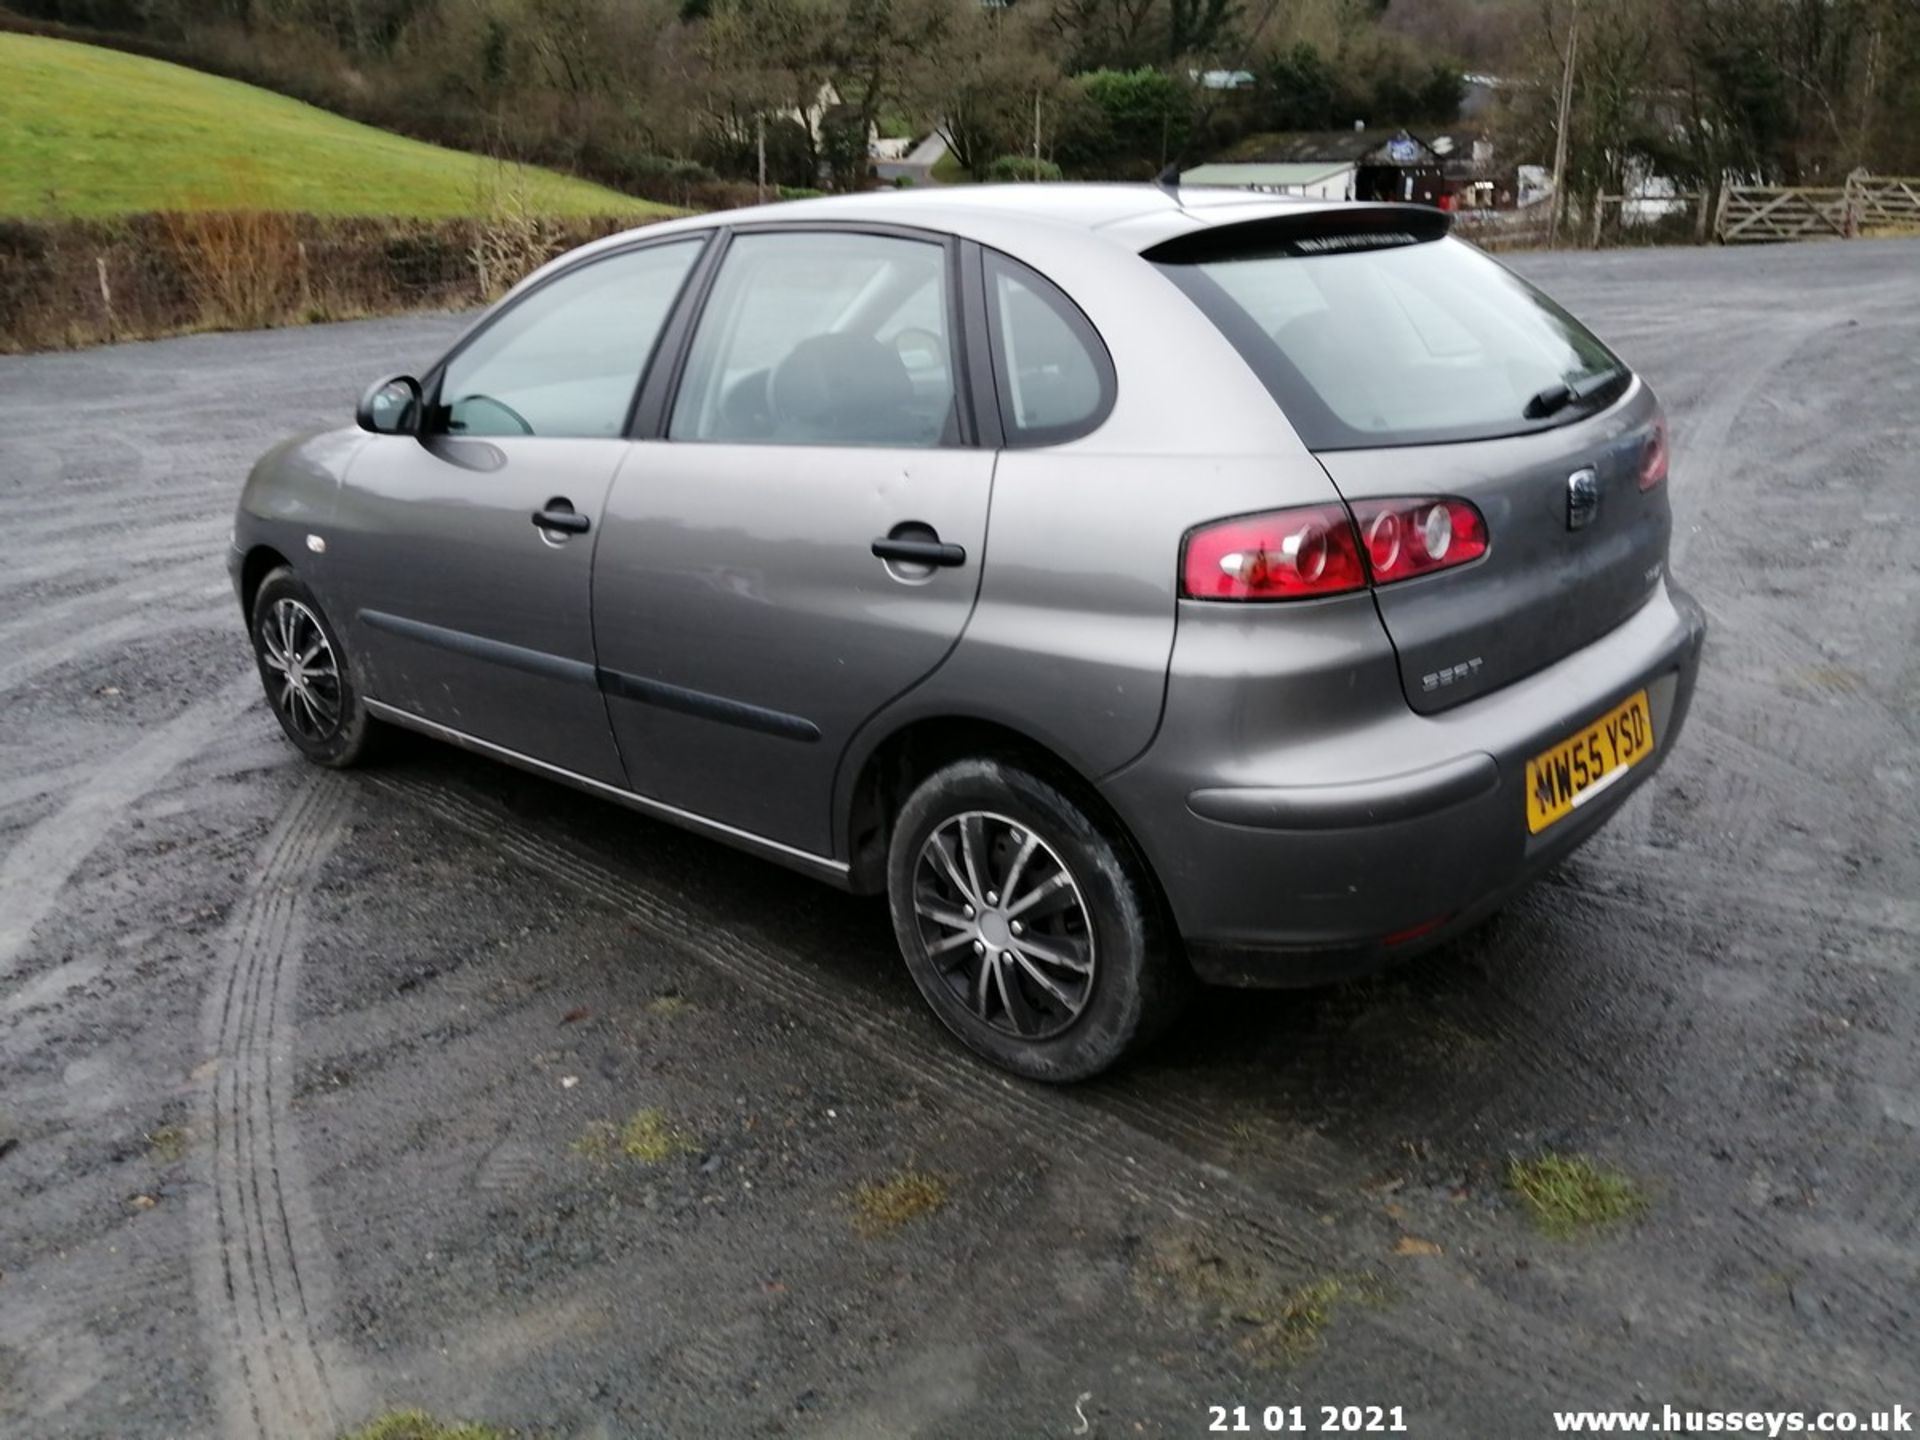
1135, 586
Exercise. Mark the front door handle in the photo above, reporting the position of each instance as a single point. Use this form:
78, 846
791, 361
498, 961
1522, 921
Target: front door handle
561, 516
920, 552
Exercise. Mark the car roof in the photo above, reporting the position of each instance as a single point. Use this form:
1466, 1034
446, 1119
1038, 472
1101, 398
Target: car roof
1128, 217
1086, 206
1144, 214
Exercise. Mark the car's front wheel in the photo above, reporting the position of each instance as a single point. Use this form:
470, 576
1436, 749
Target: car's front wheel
304, 672
1032, 931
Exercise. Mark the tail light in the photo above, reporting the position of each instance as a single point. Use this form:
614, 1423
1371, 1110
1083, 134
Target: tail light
1319, 550
1653, 456
1405, 538
1282, 555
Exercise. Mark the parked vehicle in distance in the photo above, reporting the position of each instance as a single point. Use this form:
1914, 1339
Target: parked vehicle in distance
1134, 586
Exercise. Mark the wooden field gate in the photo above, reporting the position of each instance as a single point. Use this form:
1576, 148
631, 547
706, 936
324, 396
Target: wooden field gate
1752, 213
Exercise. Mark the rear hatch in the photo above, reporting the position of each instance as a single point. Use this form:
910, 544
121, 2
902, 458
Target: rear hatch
1414, 366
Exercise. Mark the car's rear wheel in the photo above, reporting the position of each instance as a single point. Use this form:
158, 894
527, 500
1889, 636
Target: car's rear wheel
303, 669
1033, 932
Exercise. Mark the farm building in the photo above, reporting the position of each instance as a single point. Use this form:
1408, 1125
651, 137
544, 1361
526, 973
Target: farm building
1316, 180
1336, 164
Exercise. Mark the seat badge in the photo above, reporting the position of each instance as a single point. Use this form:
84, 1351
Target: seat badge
1583, 498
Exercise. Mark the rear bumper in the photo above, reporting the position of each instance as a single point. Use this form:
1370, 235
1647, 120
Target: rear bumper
1298, 883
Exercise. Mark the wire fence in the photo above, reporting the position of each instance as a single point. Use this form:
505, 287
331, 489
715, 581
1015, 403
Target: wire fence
1613, 221
1503, 229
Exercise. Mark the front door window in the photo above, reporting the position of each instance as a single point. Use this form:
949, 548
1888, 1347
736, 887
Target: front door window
565, 360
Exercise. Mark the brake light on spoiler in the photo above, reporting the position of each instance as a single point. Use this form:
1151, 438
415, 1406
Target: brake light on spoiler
1311, 551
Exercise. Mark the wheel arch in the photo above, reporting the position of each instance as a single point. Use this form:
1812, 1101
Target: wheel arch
260, 562
874, 788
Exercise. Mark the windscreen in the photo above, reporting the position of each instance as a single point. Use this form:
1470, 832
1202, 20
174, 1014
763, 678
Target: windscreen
1376, 339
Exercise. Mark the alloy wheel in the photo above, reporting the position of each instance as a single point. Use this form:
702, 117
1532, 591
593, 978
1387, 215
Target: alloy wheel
304, 676
1004, 922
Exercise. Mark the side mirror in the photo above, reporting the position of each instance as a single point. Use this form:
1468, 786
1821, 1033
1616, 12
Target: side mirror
390, 407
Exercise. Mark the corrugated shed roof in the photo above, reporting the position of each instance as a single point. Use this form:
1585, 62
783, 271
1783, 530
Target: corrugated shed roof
1309, 173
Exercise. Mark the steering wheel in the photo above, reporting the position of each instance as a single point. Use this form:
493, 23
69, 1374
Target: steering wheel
487, 400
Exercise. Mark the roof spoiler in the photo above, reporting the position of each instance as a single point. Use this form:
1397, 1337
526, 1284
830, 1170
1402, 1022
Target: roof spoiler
1314, 232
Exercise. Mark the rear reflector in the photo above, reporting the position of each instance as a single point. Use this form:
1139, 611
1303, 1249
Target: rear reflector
1414, 932
1319, 550
1653, 456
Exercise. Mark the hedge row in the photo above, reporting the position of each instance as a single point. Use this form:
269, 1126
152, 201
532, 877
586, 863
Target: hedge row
67, 283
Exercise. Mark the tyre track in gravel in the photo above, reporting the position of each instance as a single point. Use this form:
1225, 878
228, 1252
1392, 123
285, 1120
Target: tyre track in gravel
36, 869
262, 1270
1719, 890
1139, 1146
154, 553
1880, 1295
1701, 446
53, 781
121, 630
1700, 443
205, 521
196, 577
1148, 1171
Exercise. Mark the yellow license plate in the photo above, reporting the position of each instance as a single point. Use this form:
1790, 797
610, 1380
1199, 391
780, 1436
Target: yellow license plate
1561, 780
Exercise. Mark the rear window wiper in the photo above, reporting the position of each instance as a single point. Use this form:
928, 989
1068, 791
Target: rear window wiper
1557, 396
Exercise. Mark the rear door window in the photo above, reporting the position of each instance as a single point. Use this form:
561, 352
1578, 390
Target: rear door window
1396, 341
822, 338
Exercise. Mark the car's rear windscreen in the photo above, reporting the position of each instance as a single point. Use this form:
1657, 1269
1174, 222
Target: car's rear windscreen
1381, 337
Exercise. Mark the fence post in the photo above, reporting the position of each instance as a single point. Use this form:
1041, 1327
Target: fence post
1700, 218
1599, 215
1720, 213
106, 292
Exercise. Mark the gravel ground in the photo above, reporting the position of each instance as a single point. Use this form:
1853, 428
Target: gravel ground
437, 1085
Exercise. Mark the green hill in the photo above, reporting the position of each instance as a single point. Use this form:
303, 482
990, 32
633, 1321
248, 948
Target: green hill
92, 132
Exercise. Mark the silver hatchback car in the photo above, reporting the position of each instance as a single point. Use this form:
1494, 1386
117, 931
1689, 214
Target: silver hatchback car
1136, 586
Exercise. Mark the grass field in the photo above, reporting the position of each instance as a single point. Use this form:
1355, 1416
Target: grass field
90, 132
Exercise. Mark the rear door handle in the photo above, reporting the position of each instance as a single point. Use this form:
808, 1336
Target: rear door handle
920, 552
569, 521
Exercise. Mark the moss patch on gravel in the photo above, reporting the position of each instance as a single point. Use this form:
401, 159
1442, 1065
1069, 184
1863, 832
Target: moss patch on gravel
418, 1425
882, 1206
1569, 1195
169, 1143
1271, 1320
647, 1136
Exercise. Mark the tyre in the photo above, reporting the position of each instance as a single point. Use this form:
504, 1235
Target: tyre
303, 668
1036, 936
